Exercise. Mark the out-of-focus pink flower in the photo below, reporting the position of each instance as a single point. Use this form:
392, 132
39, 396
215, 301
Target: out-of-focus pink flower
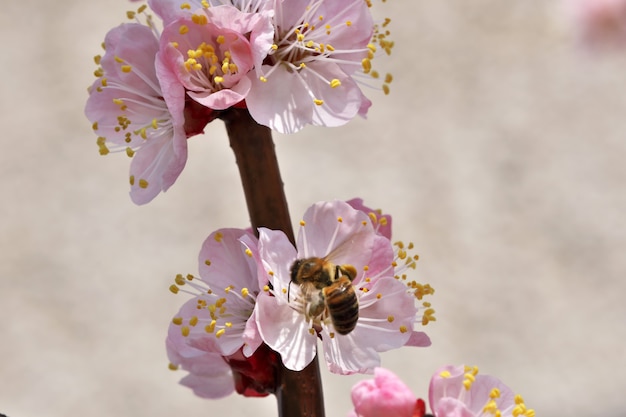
601, 23
455, 391
128, 111
208, 54
337, 235
309, 75
459, 391
385, 395
212, 336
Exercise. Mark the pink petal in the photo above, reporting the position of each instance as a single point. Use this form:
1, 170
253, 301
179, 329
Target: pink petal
158, 164
285, 331
348, 241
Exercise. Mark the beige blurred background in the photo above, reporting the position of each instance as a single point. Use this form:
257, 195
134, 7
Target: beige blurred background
500, 153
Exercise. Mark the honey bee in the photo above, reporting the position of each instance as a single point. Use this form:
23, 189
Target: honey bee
327, 287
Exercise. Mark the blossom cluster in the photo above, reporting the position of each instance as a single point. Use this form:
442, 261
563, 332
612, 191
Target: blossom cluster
290, 63
455, 391
256, 302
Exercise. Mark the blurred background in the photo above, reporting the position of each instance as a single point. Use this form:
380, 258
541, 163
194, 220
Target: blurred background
499, 153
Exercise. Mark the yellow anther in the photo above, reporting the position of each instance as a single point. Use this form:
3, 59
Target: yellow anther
494, 393
403, 329
220, 302
118, 59
302, 222
386, 89
445, 374
271, 273
366, 268
174, 289
263, 79
184, 331
335, 83
103, 82
312, 332
97, 59
183, 29
332, 335
244, 292
330, 47
266, 288
340, 219
130, 14
130, 152
383, 221
193, 321
185, 6
118, 101
99, 72
220, 39
143, 183
155, 124
207, 262
177, 321
210, 328
172, 367
348, 23
284, 290
205, 4
274, 47
142, 8
302, 65
179, 279
199, 19
367, 65
132, 180
219, 333
388, 78
374, 74
386, 22
390, 319
248, 252
227, 289
218, 236
218, 79
318, 102
228, 324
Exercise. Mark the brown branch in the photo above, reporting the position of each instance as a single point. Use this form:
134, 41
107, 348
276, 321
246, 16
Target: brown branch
297, 393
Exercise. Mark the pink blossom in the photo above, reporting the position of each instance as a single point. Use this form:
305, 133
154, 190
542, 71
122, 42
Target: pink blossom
455, 391
600, 23
340, 235
208, 54
213, 335
129, 113
309, 75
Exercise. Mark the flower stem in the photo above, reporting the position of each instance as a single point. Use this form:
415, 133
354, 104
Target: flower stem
297, 393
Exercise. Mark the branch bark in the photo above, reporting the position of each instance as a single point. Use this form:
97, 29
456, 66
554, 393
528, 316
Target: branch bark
297, 393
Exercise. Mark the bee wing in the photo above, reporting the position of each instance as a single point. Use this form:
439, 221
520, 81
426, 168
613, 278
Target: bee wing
354, 251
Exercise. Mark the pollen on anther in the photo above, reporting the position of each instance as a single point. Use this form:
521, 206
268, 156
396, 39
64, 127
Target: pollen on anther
302, 222
132, 180
390, 319
184, 331
218, 237
219, 333
177, 321
266, 288
172, 367
193, 321
185, 6
249, 252
245, 292
173, 289
312, 331
339, 219
403, 329
126, 68
143, 183
183, 29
